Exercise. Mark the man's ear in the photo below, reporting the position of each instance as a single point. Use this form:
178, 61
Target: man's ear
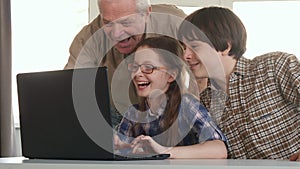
226, 51
150, 9
147, 14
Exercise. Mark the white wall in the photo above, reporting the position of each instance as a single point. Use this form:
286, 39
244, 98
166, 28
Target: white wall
93, 11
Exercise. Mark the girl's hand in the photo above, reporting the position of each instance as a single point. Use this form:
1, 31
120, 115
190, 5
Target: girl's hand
147, 145
295, 157
118, 144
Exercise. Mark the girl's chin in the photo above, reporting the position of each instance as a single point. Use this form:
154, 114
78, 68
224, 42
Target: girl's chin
143, 94
195, 70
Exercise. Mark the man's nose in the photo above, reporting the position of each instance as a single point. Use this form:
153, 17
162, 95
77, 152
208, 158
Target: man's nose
117, 31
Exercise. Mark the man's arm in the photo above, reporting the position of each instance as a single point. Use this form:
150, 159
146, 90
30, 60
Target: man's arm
80, 40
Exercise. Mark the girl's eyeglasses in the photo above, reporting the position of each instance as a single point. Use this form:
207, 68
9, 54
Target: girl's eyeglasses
145, 68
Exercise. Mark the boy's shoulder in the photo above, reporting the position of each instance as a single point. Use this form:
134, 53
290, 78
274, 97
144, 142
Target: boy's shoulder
268, 61
273, 57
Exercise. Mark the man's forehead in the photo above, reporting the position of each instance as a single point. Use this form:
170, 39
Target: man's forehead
129, 17
116, 10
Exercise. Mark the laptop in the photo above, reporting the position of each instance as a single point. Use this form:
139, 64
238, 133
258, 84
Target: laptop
65, 114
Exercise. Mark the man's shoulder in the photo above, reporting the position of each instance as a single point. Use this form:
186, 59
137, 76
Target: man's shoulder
169, 9
165, 19
89, 29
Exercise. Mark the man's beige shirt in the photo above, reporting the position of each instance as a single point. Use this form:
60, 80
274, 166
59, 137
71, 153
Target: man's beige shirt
91, 48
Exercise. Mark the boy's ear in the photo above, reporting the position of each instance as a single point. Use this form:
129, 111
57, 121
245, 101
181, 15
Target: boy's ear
226, 51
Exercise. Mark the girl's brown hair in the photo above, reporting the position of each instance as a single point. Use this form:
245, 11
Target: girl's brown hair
170, 52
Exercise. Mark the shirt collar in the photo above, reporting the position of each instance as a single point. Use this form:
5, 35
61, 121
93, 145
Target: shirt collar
158, 112
213, 86
243, 67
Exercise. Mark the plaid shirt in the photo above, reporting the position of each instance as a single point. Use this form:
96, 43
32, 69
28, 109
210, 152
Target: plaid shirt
194, 124
260, 116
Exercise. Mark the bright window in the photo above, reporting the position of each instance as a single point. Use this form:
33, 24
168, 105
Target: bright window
42, 31
271, 26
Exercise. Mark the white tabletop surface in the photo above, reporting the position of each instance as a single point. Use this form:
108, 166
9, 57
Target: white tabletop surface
22, 163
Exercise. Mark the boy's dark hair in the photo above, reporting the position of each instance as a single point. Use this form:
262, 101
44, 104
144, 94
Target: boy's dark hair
216, 26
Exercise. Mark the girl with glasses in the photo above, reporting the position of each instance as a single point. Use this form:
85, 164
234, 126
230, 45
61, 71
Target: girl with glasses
168, 118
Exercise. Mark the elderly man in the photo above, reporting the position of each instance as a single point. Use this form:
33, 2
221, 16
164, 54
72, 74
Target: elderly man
111, 10
114, 34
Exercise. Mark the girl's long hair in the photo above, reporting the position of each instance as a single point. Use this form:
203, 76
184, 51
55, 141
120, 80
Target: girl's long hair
170, 52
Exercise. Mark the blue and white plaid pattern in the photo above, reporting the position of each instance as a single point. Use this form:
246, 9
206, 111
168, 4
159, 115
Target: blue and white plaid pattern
194, 124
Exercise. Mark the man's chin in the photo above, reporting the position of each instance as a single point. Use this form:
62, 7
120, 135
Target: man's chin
124, 50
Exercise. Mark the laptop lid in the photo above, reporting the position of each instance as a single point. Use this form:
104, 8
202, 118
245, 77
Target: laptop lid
65, 114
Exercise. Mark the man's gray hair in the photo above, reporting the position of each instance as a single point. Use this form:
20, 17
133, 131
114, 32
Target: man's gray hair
142, 5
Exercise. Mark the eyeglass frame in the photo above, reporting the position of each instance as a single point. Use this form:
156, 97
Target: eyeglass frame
142, 68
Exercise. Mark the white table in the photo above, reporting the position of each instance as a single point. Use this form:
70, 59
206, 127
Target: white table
21, 163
